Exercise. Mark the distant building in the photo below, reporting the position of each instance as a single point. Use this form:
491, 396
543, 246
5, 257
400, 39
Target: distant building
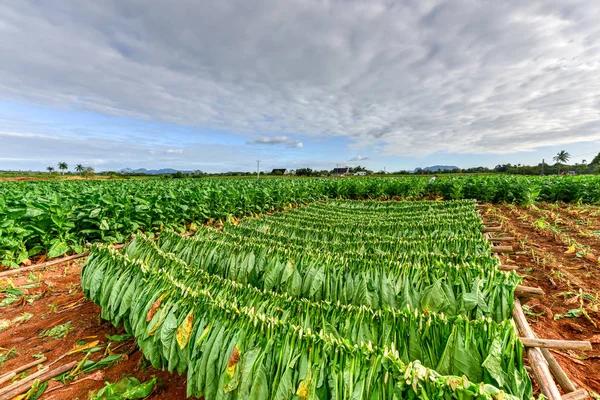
279, 171
341, 171
360, 173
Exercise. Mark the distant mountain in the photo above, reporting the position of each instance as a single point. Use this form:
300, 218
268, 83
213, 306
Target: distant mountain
437, 168
162, 171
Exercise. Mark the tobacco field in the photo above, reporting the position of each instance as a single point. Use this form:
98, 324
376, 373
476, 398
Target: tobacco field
61, 217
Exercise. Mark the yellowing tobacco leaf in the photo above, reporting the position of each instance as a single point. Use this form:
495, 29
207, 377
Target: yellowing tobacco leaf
185, 330
154, 307
302, 391
86, 346
571, 249
233, 361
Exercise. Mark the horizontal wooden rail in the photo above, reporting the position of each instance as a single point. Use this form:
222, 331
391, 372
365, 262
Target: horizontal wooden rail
43, 375
502, 249
491, 229
502, 239
557, 344
528, 292
9, 375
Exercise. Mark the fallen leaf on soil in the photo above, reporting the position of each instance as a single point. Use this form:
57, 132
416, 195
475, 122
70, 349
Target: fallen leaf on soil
591, 257
575, 327
86, 346
96, 376
27, 262
571, 249
572, 300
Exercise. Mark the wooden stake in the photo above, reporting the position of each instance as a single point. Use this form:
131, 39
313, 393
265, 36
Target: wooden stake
528, 292
502, 239
537, 361
10, 388
557, 344
491, 229
561, 378
25, 384
504, 267
502, 249
576, 395
9, 375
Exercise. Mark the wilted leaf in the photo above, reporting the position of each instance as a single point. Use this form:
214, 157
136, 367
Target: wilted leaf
83, 347
185, 330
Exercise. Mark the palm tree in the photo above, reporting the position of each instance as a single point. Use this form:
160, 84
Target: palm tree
561, 157
79, 168
50, 169
63, 166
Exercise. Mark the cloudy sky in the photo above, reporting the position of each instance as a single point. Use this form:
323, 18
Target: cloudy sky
216, 85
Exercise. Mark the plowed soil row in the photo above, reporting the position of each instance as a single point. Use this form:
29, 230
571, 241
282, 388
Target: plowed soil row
570, 282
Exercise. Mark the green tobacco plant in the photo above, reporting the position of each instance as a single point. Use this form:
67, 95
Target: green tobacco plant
61, 216
271, 308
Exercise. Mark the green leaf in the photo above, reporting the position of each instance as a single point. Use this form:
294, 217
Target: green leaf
260, 385
493, 362
104, 225
58, 249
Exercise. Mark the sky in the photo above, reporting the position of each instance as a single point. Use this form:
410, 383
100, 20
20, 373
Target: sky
217, 85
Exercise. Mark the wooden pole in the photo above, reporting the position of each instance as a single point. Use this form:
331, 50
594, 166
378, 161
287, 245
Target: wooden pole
537, 361
528, 292
502, 239
502, 249
561, 377
25, 384
16, 385
487, 229
557, 344
9, 375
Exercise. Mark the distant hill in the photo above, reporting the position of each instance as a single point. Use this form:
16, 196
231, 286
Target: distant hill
162, 171
437, 168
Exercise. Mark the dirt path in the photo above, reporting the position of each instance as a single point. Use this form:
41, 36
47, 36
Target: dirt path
570, 282
62, 302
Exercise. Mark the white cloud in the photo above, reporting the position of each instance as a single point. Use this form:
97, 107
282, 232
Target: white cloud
277, 140
359, 158
175, 151
402, 78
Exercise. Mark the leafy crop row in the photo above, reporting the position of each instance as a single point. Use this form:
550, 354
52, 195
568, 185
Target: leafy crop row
244, 317
58, 217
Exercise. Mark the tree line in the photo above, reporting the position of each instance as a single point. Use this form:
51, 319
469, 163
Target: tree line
64, 167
